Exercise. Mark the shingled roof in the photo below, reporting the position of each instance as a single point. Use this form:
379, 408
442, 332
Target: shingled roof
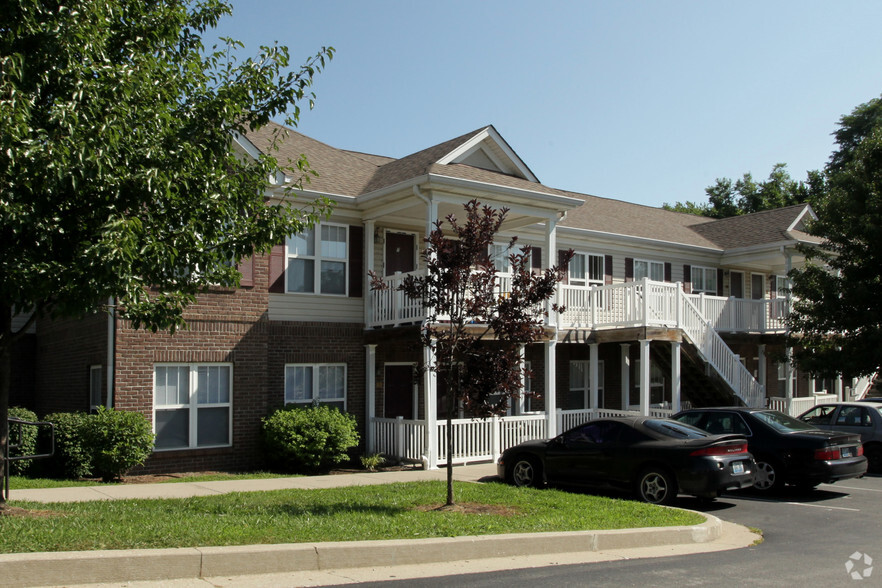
351, 173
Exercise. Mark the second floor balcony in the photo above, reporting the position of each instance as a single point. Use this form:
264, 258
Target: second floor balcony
630, 304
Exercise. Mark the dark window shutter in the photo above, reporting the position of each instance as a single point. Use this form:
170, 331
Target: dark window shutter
687, 278
607, 269
277, 270
536, 259
720, 275
561, 262
773, 287
356, 261
629, 269
246, 268
667, 272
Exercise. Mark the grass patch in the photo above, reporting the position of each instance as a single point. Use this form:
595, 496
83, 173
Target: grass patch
388, 511
26, 483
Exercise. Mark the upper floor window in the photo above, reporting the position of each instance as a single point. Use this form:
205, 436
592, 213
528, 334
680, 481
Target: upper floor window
704, 279
192, 405
499, 255
586, 269
654, 270
317, 260
316, 384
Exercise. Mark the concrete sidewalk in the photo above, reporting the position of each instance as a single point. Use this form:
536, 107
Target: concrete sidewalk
316, 564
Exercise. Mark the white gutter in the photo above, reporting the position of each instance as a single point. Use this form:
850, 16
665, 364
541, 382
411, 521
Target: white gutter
111, 349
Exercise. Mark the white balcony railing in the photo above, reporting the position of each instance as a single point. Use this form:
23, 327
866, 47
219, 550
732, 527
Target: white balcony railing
617, 305
638, 304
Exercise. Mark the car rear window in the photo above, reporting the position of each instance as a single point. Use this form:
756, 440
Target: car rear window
674, 429
781, 422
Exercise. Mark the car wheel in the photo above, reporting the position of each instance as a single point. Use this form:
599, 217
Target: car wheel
526, 471
874, 458
768, 476
656, 486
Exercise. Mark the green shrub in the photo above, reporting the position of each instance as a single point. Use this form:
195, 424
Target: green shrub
309, 438
25, 437
372, 462
117, 440
71, 459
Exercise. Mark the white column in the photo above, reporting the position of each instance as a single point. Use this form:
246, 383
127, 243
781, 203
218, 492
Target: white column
431, 215
626, 375
370, 382
676, 376
595, 368
369, 266
762, 369
551, 259
839, 388
644, 377
521, 405
550, 388
788, 375
430, 380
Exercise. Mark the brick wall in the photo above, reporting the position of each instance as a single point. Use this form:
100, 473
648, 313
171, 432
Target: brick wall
64, 351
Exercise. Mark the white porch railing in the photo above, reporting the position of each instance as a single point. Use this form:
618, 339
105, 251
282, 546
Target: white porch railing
797, 406
477, 440
616, 305
643, 303
862, 386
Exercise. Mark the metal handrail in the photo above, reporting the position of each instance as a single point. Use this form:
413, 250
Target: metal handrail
4, 488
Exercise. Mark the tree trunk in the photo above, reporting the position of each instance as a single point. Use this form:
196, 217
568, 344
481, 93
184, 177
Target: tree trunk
452, 395
5, 379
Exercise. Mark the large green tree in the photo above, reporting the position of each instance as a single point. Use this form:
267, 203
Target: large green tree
118, 178
837, 313
744, 196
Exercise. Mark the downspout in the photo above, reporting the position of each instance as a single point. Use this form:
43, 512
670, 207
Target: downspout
111, 349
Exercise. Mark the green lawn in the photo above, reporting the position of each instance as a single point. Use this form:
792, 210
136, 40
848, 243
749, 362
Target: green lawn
389, 511
26, 483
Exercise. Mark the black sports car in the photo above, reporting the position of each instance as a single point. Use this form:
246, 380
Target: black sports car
657, 458
787, 450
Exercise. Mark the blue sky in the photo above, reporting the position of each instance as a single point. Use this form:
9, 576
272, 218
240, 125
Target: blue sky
643, 101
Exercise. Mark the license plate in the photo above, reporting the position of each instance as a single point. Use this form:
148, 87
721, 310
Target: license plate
847, 452
738, 467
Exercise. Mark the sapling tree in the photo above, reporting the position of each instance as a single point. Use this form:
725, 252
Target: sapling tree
476, 323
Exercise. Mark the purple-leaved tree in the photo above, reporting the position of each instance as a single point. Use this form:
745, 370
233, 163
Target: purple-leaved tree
475, 323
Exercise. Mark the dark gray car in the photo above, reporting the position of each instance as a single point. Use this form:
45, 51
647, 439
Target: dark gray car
862, 418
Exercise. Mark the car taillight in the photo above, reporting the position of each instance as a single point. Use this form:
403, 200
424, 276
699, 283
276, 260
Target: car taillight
722, 450
860, 450
827, 453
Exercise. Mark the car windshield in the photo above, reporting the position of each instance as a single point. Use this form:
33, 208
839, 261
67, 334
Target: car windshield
781, 422
675, 429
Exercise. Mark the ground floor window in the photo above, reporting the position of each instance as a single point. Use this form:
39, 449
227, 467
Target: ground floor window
580, 384
323, 383
657, 394
192, 405
94, 387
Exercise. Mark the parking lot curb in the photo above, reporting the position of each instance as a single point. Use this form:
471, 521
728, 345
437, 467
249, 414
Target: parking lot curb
88, 567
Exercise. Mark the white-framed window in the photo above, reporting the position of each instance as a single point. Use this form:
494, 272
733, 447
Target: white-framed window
317, 260
782, 378
654, 270
585, 269
192, 405
528, 388
580, 383
704, 279
499, 254
95, 372
318, 383
656, 382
